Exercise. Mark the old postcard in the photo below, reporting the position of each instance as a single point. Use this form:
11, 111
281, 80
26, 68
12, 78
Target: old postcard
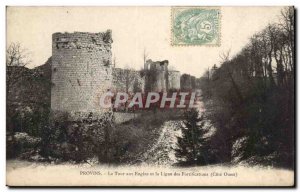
150, 96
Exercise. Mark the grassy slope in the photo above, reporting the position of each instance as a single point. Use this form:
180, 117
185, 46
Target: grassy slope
135, 137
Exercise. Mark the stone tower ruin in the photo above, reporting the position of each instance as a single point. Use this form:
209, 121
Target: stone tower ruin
81, 71
174, 80
157, 79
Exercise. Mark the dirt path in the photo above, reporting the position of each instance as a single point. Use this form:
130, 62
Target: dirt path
162, 152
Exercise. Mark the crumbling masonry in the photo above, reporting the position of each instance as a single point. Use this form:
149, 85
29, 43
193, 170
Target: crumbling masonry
81, 72
159, 78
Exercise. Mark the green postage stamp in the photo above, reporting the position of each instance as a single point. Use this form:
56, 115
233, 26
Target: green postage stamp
196, 26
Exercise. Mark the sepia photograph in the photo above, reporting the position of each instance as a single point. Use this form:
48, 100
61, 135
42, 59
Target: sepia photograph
150, 96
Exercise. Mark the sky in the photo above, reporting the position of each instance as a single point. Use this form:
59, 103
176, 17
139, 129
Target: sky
134, 29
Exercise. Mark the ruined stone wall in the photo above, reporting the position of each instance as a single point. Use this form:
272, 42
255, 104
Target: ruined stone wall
157, 78
126, 80
187, 82
81, 71
174, 80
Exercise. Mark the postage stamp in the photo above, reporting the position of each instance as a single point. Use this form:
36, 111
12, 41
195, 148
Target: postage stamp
196, 26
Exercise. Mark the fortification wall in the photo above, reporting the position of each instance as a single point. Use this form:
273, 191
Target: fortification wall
187, 82
81, 71
174, 80
157, 79
126, 80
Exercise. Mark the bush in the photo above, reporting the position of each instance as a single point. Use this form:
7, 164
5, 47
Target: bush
21, 143
66, 139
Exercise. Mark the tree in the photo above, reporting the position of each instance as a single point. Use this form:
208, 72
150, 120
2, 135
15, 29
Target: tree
145, 56
16, 59
193, 145
251, 95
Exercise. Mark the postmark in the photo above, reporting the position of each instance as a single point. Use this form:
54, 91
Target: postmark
196, 26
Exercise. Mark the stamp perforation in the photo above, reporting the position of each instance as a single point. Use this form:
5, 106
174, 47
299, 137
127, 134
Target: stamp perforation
217, 44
